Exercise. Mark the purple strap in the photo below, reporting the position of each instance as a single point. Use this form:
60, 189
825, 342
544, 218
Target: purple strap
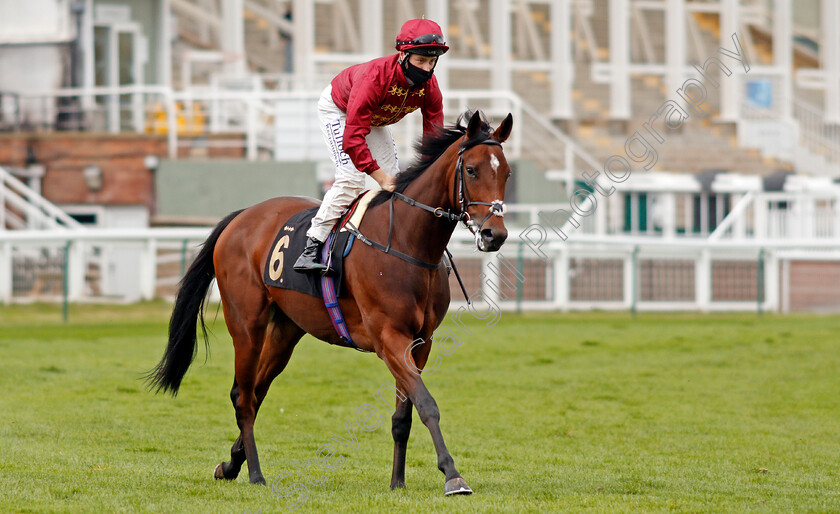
331, 299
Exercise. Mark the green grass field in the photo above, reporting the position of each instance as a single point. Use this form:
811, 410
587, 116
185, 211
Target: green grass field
542, 413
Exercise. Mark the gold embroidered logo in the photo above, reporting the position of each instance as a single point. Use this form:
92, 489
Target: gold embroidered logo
398, 91
391, 108
419, 92
410, 109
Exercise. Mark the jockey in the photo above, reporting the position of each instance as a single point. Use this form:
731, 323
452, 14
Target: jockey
355, 111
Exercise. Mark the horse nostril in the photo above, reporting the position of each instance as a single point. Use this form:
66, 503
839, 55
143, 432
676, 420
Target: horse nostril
487, 234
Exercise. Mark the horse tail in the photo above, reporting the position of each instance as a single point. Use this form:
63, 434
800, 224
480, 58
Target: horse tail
189, 309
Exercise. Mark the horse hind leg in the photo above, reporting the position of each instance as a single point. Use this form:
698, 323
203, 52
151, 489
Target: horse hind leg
281, 338
230, 470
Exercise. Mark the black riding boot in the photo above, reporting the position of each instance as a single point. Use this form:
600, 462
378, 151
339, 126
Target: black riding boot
308, 260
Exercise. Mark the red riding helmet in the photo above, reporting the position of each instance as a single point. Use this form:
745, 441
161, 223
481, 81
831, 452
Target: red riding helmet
422, 37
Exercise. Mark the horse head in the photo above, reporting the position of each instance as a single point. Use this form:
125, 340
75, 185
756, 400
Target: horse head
481, 174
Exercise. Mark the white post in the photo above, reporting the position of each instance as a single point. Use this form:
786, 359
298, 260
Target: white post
703, 280
630, 287
784, 287
303, 38
501, 74
113, 78
372, 27
760, 217
831, 59
675, 29
783, 55
438, 10
164, 64
620, 58
5, 273
148, 270
561, 279
731, 94
233, 37
562, 62
76, 270
668, 214
141, 47
89, 64
771, 282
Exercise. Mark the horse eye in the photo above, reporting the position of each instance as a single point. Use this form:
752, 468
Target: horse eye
471, 171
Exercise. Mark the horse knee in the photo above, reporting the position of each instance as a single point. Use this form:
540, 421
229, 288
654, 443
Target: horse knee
428, 411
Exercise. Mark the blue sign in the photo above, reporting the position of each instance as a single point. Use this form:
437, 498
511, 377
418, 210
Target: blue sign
760, 93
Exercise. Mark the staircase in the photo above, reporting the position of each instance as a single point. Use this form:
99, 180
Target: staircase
21, 207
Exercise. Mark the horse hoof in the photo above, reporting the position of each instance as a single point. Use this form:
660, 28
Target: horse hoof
259, 480
456, 485
219, 473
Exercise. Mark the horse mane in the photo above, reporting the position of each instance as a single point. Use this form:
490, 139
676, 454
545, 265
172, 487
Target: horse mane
430, 148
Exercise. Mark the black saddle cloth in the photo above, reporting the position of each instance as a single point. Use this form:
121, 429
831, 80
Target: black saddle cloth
287, 247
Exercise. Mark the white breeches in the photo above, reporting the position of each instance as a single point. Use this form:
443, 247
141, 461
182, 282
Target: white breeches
349, 182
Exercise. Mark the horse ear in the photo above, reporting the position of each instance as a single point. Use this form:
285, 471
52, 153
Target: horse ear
503, 132
474, 126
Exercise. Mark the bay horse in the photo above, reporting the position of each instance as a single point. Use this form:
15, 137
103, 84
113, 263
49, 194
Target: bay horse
389, 302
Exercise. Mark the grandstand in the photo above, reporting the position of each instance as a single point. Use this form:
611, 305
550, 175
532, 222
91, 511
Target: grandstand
145, 122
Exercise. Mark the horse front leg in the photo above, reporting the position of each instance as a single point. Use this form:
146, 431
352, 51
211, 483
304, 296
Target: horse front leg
412, 385
400, 430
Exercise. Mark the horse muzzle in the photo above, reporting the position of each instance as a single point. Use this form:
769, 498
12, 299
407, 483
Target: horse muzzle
490, 239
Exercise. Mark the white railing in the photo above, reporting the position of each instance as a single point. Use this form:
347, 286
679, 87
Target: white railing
36, 212
813, 215
815, 133
79, 264
584, 272
266, 123
636, 273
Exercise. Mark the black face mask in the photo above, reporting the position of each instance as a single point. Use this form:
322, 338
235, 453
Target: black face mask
415, 76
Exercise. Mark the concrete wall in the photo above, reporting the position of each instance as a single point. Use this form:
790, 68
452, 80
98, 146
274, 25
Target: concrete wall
213, 188
531, 186
45, 76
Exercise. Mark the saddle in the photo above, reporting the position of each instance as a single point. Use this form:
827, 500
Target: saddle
291, 239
